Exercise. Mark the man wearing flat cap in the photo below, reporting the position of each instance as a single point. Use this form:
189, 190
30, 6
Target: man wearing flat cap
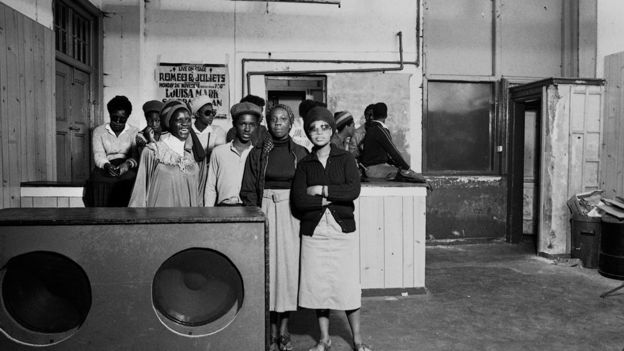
261, 131
227, 162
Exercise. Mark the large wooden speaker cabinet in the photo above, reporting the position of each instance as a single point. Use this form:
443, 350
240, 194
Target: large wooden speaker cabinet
133, 279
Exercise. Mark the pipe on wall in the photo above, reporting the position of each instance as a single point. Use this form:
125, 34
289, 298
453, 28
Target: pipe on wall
246, 77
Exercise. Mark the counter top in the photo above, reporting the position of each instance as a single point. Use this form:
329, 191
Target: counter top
120, 215
392, 184
368, 183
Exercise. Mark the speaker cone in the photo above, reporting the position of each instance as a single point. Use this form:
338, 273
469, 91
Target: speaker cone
196, 287
46, 292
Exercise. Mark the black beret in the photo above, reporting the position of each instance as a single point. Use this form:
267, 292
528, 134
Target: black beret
319, 113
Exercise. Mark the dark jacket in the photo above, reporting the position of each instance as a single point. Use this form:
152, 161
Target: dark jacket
252, 185
379, 148
342, 177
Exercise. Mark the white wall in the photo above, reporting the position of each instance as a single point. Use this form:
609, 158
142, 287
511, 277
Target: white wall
610, 29
138, 35
39, 10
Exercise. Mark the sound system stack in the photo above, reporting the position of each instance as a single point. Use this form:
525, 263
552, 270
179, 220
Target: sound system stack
133, 279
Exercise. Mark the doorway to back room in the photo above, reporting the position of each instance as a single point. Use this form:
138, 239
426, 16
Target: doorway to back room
291, 91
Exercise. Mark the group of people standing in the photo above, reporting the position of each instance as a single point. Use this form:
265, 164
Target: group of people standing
307, 193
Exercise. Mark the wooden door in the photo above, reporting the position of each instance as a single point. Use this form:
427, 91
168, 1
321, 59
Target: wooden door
63, 144
612, 168
79, 129
72, 123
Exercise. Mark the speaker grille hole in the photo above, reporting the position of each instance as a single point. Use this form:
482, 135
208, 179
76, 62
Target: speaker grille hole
46, 292
198, 287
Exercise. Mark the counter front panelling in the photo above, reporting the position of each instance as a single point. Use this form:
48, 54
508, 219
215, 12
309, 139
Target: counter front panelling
391, 228
390, 224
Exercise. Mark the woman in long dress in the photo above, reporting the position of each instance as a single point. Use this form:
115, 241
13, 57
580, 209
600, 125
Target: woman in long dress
168, 174
325, 185
267, 179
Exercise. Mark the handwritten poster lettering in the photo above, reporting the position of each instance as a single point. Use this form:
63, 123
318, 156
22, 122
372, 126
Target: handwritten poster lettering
185, 81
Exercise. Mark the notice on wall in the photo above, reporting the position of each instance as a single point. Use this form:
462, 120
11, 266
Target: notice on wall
185, 81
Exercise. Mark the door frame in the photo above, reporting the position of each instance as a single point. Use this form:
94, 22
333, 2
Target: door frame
94, 69
518, 98
291, 78
85, 7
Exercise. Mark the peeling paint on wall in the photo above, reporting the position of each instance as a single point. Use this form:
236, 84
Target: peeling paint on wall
472, 207
391, 88
570, 159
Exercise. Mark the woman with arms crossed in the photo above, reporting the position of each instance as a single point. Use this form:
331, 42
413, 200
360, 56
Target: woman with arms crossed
325, 185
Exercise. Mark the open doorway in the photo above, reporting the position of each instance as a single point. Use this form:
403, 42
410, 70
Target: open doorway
524, 166
568, 114
291, 91
530, 189
291, 99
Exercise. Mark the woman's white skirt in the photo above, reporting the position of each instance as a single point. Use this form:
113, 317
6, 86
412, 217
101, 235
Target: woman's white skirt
284, 247
329, 268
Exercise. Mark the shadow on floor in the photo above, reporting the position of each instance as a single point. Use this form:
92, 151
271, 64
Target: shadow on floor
495, 296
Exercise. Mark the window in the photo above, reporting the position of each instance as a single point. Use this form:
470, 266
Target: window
72, 32
458, 127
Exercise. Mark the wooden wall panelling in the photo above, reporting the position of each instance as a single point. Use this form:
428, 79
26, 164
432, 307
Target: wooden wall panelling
586, 139
27, 145
593, 137
420, 234
45, 202
28, 102
40, 107
14, 109
356, 217
577, 138
27, 201
4, 125
23, 117
372, 242
48, 97
62, 201
609, 159
76, 202
392, 229
613, 140
618, 145
408, 240
393, 241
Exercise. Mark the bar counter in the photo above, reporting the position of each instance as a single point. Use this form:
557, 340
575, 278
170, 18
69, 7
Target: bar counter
390, 222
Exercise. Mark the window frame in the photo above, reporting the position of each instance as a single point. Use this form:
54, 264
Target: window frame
496, 127
68, 56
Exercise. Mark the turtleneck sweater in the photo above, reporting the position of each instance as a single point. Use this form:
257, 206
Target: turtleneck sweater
280, 167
